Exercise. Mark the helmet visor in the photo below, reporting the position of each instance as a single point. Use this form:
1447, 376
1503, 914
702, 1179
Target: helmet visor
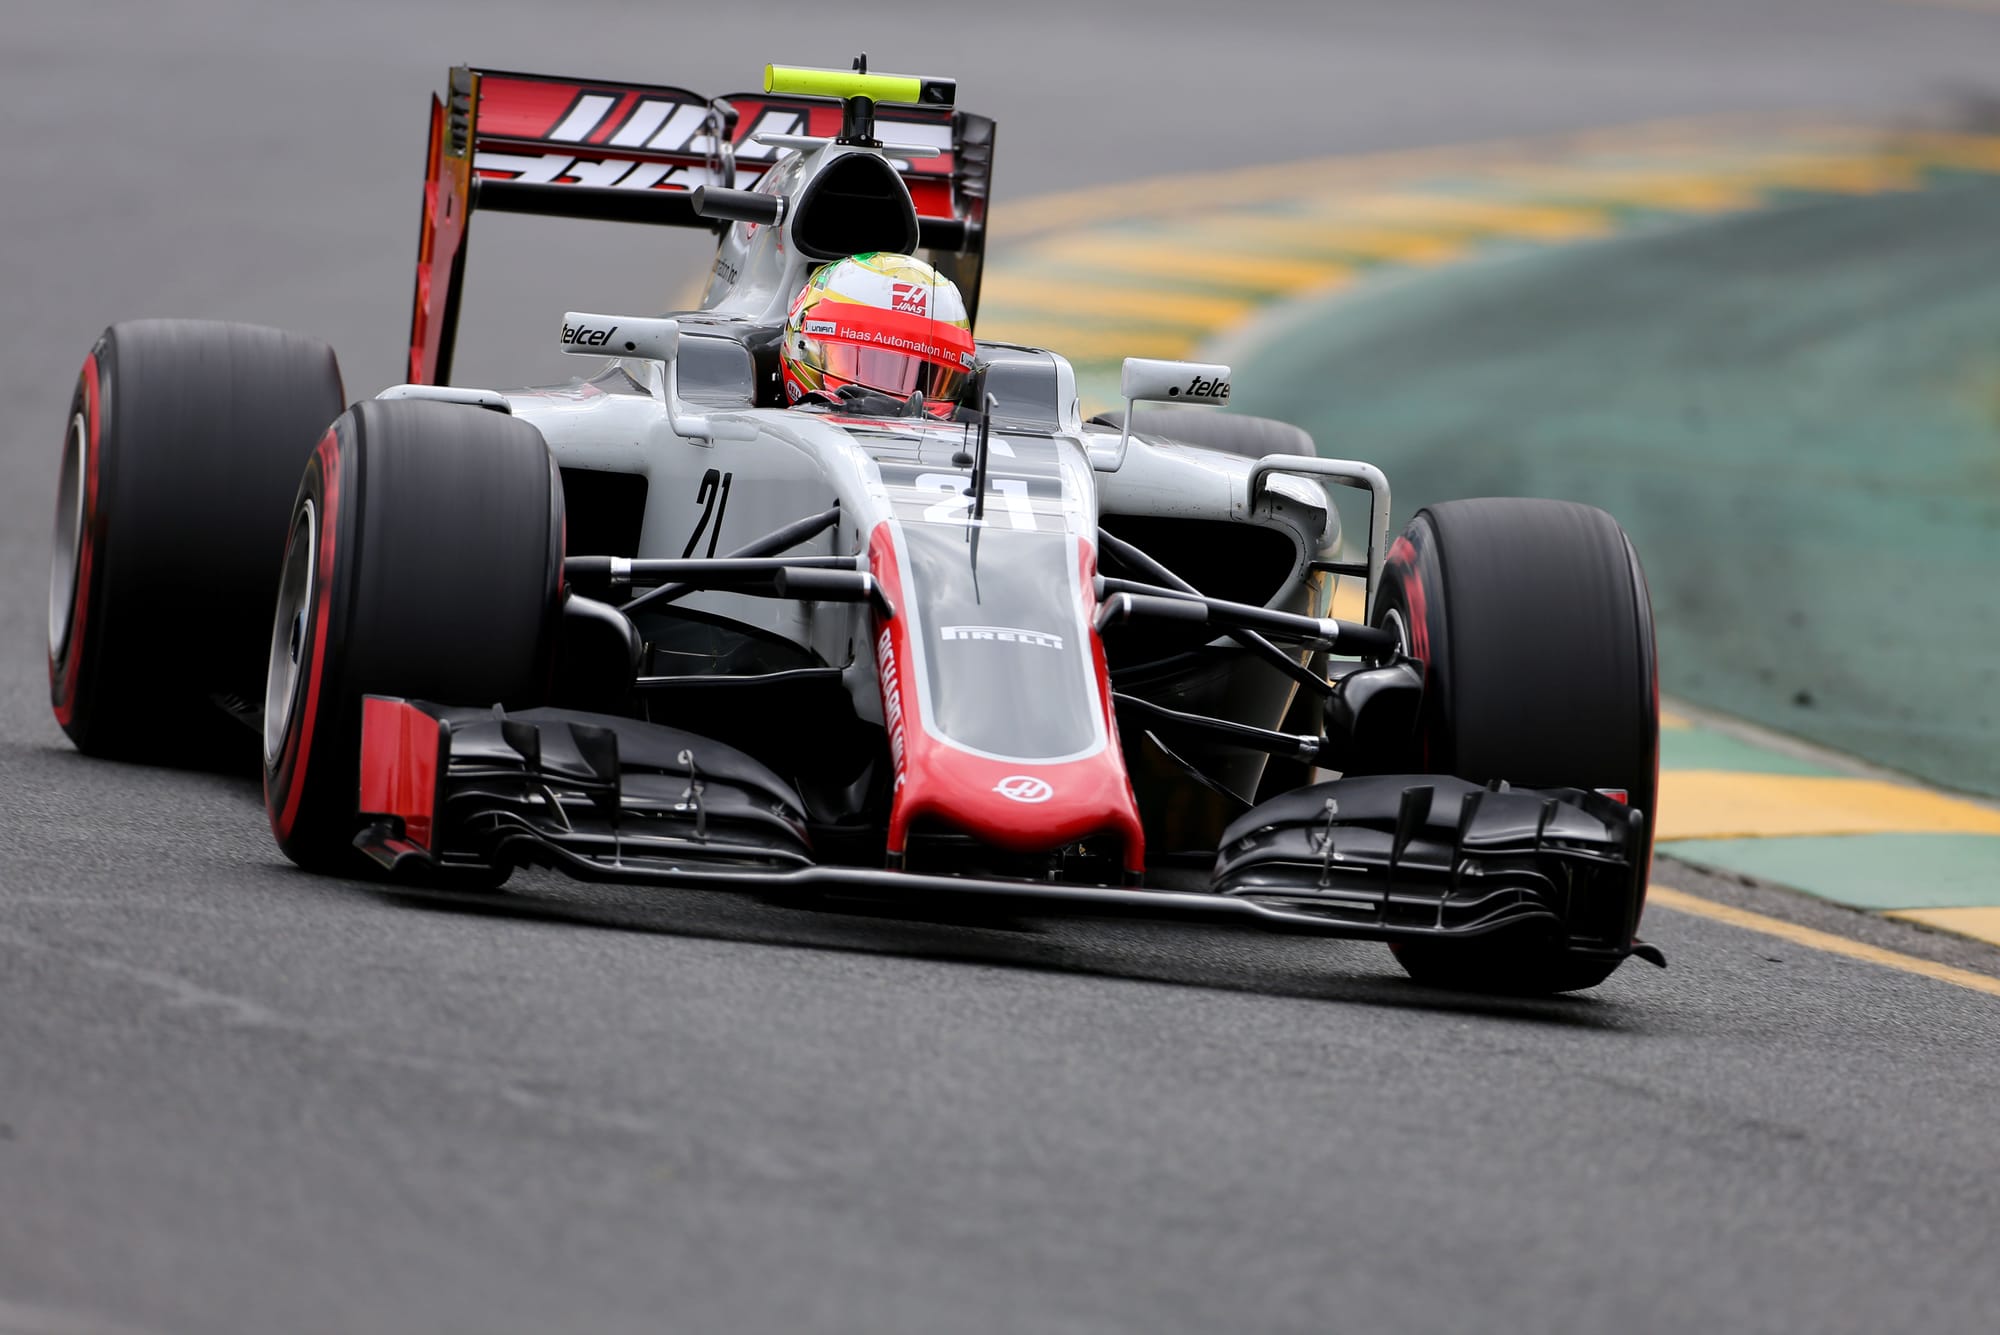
892, 372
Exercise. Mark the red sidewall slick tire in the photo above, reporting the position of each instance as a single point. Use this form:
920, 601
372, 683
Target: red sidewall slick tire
425, 561
180, 455
78, 526
1533, 623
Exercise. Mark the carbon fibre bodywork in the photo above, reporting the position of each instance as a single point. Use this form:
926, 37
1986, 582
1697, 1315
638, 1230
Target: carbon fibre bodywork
611, 799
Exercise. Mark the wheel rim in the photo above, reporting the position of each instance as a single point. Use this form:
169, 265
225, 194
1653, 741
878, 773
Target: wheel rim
66, 563
296, 589
1392, 620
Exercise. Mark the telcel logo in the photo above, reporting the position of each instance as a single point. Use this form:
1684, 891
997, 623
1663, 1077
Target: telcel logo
1024, 788
583, 336
1201, 387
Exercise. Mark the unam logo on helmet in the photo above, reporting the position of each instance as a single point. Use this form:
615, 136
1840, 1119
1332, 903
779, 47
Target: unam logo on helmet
913, 298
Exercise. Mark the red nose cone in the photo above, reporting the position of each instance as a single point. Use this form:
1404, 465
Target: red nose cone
1017, 803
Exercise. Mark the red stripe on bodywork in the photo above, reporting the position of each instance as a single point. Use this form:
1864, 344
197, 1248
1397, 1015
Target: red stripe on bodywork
400, 750
936, 781
86, 538
527, 108
932, 198
1135, 835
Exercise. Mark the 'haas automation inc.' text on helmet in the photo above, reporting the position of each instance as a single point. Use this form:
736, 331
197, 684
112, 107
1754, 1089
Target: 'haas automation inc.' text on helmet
889, 323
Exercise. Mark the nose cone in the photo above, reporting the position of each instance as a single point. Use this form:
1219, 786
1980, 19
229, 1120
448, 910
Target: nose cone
994, 691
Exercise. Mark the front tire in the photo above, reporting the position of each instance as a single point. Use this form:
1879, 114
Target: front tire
182, 450
425, 561
1533, 624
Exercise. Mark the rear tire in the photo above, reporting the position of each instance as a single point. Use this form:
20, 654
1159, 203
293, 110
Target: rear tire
183, 450
1533, 624
425, 561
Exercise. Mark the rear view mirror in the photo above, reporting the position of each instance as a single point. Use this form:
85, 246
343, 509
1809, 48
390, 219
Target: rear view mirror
1149, 381
654, 340
620, 336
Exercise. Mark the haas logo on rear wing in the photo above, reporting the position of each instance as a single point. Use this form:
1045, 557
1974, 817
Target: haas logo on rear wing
531, 143
559, 132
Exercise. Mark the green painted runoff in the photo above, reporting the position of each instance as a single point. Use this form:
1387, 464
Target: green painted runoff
1795, 412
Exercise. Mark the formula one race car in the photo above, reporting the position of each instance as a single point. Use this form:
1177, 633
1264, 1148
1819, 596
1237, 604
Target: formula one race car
661, 625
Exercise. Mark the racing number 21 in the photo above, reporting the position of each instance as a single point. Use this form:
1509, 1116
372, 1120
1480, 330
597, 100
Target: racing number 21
713, 498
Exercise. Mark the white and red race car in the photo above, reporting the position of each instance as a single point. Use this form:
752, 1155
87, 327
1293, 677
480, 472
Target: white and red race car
653, 625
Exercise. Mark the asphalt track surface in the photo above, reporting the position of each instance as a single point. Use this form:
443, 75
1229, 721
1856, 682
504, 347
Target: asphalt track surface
235, 1098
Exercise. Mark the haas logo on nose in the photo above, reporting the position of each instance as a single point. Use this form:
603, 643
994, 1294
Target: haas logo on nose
1024, 788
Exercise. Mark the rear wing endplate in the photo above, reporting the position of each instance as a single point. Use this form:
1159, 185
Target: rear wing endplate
624, 152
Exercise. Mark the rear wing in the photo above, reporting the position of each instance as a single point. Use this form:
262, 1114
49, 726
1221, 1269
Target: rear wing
626, 152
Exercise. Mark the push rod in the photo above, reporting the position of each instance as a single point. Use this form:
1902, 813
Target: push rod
791, 535
1297, 746
1257, 645
1127, 600
623, 572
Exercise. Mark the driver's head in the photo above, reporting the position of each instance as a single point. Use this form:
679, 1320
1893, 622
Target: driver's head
885, 322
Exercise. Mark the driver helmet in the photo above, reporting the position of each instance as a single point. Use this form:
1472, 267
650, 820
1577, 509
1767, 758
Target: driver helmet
884, 322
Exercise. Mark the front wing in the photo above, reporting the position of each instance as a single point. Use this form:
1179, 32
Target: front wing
1391, 858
